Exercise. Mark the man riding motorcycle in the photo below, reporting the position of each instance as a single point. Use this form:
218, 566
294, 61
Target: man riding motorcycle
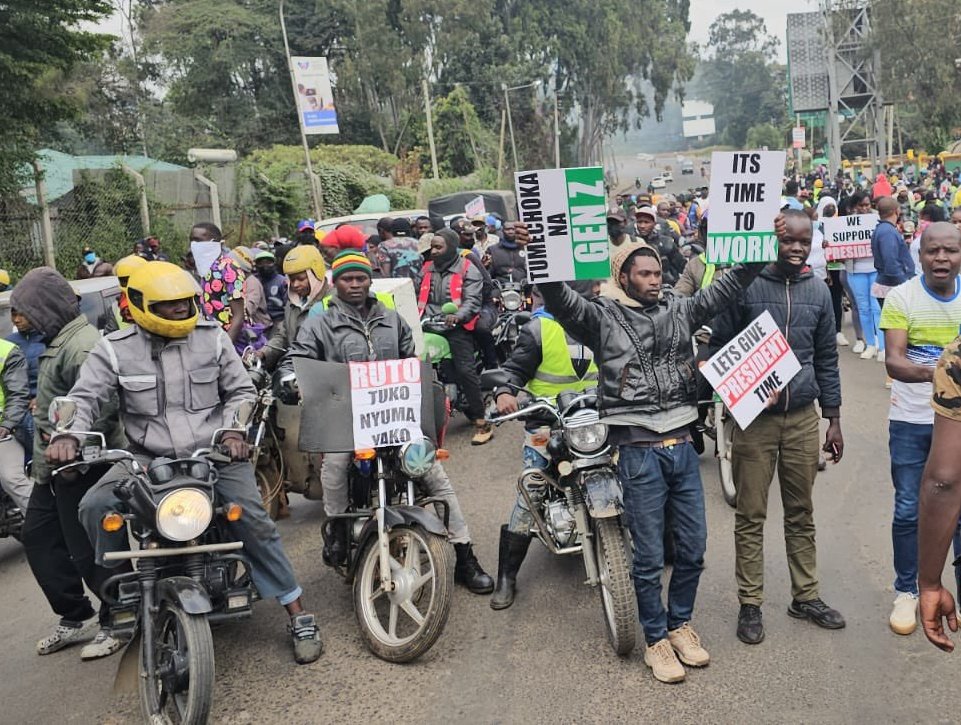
356, 327
179, 380
547, 362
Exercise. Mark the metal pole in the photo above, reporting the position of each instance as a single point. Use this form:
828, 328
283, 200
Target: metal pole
510, 125
430, 128
557, 132
797, 124
500, 147
46, 228
142, 192
316, 190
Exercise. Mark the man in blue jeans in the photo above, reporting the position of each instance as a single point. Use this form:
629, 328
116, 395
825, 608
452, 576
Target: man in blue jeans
920, 318
647, 390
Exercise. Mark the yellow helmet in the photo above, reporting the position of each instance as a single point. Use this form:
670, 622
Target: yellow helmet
161, 282
4, 277
304, 257
126, 266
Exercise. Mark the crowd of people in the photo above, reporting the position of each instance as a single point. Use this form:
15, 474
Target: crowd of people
170, 370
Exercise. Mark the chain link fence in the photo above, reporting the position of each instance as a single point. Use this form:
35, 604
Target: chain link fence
21, 236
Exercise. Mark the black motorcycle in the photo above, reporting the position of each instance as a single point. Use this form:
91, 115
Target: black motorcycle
514, 306
187, 571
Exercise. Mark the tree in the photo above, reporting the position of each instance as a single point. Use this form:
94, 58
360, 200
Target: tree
764, 134
39, 44
741, 78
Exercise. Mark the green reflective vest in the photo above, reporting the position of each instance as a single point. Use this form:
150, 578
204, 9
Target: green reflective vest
556, 372
6, 347
709, 270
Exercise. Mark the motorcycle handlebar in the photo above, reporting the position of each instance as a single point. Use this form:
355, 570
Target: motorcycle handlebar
526, 411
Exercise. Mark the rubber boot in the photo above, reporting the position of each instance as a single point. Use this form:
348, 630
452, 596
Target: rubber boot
468, 571
513, 549
335, 542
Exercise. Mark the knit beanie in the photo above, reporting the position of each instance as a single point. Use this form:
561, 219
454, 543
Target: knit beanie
351, 261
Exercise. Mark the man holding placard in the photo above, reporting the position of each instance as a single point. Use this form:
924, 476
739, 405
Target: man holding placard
785, 435
357, 327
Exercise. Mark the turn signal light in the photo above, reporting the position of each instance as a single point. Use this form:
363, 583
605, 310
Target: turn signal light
442, 454
233, 511
112, 522
365, 454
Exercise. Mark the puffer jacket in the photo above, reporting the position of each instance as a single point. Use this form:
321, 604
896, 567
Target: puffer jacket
341, 335
174, 393
508, 264
650, 369
801, 307
472, 291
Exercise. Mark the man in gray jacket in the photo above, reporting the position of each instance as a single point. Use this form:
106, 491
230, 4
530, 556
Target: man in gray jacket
642, 347
180, 380
785, 436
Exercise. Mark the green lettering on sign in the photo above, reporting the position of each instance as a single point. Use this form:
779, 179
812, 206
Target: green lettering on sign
738, 247
587, 209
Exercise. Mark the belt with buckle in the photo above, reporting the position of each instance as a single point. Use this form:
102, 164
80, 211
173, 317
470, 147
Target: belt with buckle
666, 443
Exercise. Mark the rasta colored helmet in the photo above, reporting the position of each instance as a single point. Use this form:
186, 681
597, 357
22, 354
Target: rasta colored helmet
304, 257
161, 282
126, 266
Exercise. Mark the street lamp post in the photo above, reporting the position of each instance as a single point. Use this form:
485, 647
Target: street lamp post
507, 106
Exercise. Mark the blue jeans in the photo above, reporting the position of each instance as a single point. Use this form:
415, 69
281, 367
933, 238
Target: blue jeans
521, 520
656, 479
869, 310
909, 444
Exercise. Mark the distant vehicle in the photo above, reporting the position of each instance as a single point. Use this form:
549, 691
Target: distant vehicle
658, 182
367, 223
645, 157
99, 297
687, 167
668, 176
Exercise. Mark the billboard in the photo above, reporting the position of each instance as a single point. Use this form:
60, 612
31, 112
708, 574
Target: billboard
315, 99
697, 119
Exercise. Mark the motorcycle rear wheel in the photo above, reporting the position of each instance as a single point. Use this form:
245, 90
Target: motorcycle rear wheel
618, 600
181, 688
402, 625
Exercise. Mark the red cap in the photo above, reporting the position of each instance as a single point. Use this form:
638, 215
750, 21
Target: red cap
346, 237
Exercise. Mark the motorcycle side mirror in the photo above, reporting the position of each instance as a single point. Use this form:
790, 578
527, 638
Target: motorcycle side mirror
62, 413
449, 308
243, 415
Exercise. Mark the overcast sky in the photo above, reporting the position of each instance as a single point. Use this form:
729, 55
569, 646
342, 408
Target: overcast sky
774, 12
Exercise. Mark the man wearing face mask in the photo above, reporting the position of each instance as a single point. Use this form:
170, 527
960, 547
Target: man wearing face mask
507, 260
221, 280
617, 230
274, 284
92, 265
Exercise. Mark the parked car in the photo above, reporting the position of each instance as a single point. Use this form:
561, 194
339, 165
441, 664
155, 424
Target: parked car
668, 177
658, 182
367, 223
98, 299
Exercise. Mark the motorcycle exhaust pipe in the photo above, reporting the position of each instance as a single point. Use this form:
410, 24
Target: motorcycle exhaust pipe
536, 478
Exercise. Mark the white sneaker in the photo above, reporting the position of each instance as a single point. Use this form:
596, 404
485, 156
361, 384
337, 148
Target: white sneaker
65, 635
842, 340
880, 356
662, 660
869, 352
904, 616
858, 347
103, 645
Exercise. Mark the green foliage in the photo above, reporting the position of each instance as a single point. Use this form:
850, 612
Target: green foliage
764, 134
482, 179
39, 43
462, 142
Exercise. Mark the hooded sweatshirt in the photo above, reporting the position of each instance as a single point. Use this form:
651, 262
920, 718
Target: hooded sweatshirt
47, 300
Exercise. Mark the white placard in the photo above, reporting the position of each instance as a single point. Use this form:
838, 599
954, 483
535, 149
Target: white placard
797, 137
745, 195
315, 99
756, 363
385, 401
475, 207
849, 237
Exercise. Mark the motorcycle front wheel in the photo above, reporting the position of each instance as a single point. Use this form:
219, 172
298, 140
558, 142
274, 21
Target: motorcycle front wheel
618, 599
401, 625
180, 690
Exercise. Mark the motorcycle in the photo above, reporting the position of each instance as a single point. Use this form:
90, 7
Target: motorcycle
398, 558
513, 314
187, 574
580, 509
437, 353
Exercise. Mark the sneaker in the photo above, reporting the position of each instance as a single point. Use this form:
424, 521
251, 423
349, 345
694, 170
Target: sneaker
904, 616
750, 627
65, 635
880, 357
103, 645
306, 635
688, 647
869, 352
842, 340
483, 432
858, 347
662, 660
818, 612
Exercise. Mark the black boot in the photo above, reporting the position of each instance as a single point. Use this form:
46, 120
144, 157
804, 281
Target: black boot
335, 542
513, 549
468, 571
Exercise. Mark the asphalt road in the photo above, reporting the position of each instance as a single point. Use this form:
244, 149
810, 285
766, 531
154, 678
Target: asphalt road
546, 659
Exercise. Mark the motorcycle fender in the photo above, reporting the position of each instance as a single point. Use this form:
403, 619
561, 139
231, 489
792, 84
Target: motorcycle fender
397, 515
185, 593
603, 493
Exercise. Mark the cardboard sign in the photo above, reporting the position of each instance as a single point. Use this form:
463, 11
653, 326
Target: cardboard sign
566, 213
849, 237
756, 363
475, 207
385, 400
745, 196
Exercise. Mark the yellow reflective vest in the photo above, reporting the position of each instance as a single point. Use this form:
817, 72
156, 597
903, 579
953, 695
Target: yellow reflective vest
556, 372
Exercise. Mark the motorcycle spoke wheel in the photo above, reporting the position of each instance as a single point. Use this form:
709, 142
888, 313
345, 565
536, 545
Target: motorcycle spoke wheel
618, 600
402, 624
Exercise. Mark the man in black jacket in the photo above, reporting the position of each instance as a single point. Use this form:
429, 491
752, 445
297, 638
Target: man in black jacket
649, 232
785, 436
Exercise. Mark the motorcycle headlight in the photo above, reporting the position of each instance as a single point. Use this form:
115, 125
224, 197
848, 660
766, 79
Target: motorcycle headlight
587, 438
511, 299
417, 457
184, 514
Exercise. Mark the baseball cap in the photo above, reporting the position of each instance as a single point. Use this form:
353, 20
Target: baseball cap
617, 216
305, 224
647, 210
400, 227
479, 220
